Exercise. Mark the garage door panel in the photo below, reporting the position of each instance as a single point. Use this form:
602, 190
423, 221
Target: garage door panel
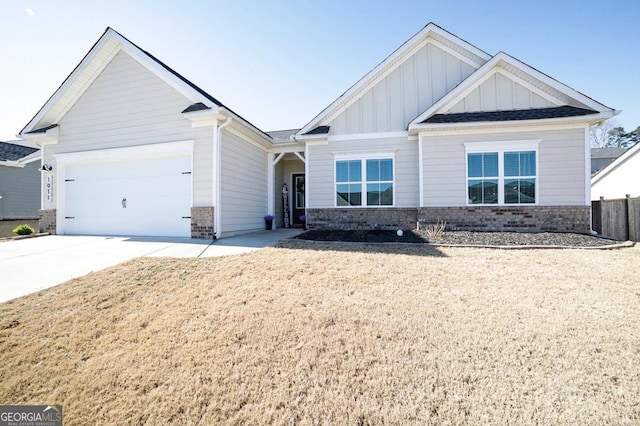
145, 197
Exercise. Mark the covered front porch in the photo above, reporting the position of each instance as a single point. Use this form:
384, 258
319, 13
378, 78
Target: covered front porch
287, 187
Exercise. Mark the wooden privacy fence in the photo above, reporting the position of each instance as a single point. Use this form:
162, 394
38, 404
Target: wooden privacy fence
619, 219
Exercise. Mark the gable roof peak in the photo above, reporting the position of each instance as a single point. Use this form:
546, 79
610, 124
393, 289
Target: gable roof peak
429, 33
110, 43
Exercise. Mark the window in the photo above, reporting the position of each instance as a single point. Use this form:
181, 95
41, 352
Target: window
483, 178
349, 183
372, 175
501, 176
520, 177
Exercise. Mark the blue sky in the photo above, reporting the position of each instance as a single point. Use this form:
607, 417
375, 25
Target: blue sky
279, 63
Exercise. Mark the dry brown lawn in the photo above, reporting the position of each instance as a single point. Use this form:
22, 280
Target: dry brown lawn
329, 334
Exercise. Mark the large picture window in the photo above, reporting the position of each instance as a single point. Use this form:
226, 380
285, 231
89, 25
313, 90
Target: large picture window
501, 177
374, 176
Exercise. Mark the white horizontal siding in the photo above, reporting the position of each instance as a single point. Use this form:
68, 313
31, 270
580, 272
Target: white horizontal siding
406, 92
127, 105
321, 178
444, 172
244, 185
561, 166
499, 93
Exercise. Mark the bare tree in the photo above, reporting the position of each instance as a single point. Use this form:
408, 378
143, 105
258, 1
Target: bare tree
600, 136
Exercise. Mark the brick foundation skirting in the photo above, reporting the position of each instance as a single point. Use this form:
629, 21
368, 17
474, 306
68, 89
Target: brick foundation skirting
361, 219
47, 221
202, 223
520, 219
485, 218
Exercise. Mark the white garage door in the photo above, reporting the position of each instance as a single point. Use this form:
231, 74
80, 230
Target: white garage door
143, 197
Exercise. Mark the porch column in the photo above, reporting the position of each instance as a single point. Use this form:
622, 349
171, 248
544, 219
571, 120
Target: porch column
271, 166
272, 160
420, 172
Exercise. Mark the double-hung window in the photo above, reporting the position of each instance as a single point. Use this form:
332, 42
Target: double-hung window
364, 181
502, 174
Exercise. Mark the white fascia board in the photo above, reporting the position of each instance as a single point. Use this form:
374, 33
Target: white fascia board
318, 137
14, 164
203, 118
260, 144
36, 156
579, 121
488, 70
50, 137
68, 82
616, 163
459, 92
405, 51
130, 49
551, 82
176, 83
253, 129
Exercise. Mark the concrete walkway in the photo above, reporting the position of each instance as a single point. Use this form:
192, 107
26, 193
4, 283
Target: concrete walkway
33, 264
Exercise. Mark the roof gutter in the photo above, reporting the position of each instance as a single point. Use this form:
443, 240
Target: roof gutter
9, 163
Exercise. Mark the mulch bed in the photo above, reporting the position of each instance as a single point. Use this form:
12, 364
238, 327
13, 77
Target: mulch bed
461, 238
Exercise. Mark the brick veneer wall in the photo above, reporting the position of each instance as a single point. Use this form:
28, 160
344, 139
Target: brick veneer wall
521, 219
47, 221
364, 218
202, 223
485, 218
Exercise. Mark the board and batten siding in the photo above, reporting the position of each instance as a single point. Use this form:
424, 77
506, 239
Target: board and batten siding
561, 166
20, 191
244, 185
321, 179
405, 93
127, 105
499, 93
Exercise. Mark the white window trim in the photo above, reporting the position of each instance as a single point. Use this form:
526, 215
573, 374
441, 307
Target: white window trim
502, 147
363, 156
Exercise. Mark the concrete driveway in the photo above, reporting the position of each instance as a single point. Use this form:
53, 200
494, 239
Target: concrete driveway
33, 264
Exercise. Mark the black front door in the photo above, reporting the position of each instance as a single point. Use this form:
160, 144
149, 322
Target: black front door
297, 200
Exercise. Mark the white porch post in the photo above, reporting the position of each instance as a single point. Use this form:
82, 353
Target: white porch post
420, 173
271, 202
306, 178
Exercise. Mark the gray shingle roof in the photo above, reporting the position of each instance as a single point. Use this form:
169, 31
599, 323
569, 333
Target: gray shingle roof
13, 152
199, 106
510, 115
609, 152
320, 130
43, 129
282, 134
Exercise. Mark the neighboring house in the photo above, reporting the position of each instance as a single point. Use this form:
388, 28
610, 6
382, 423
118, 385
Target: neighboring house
602, 157
620, 178
19, 181
440, 130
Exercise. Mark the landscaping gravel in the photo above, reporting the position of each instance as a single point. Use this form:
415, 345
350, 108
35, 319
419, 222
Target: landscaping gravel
462, 238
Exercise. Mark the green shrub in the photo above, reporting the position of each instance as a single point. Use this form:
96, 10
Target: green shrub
23, 230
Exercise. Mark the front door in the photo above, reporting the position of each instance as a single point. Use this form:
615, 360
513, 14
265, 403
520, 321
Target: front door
297, 205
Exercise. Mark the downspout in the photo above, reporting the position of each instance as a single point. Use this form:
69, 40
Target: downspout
217, 149
587, 160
